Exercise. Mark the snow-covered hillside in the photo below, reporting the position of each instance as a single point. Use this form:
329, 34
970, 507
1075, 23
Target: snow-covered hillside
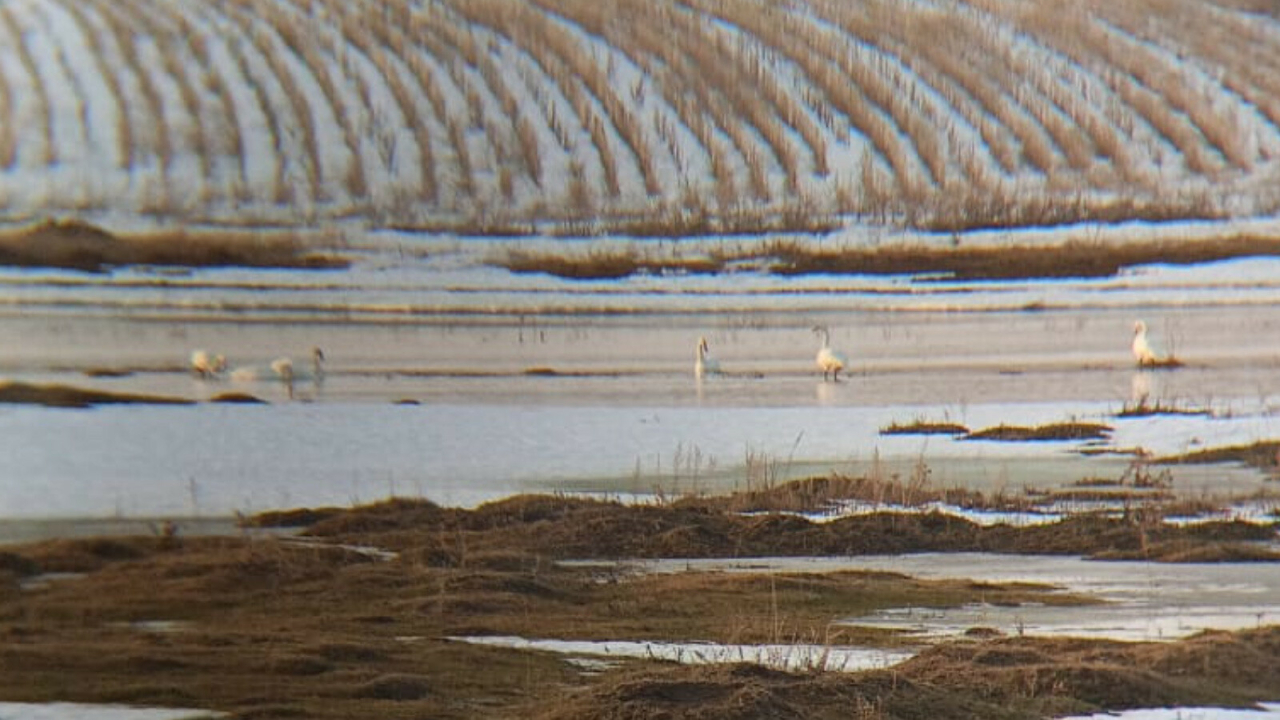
413, 112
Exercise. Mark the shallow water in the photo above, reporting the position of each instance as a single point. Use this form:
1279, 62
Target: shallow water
1141, 601
1268, 711
82, 711
795, 657
528, 383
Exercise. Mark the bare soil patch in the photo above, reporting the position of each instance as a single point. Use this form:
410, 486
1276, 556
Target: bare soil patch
76, 245
316, 626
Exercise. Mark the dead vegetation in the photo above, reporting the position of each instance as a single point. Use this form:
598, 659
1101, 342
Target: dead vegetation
1047, 432
1264, 455
315, 626
65, 396
1147, 408
924, 427
996, 679
791, 257
77, 245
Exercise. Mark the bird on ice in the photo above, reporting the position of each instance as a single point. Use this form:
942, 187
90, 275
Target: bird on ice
705, 364
831, 362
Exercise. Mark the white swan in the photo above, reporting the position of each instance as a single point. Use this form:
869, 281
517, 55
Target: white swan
206, 364
282, 369
705, 364
831, 362
1143, 352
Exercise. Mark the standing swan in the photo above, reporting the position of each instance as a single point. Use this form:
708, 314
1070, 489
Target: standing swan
282, 369
829, 361
705, 364
1144, 352
206, 364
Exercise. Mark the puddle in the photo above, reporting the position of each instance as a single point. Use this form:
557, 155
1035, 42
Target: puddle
79, 711
368, 551
159, 627
44, 580
1269, 711
1141, 600
782, 657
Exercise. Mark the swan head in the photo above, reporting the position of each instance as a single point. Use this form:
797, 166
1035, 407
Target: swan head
703, 348
1139, 327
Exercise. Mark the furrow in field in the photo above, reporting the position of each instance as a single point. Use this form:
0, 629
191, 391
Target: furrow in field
1078, 38
1227, 68
307, 42
307, 171
396, 123
151, 146
113, 136
580, 131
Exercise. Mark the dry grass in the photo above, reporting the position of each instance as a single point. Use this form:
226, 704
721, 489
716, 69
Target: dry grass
1146, 408
1264, 455
1051, 431
1070, 259
65, 396
80, 246
785, 257
924, 427
307, 626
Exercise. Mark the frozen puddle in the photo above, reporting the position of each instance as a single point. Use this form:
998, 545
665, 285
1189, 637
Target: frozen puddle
1140, 600
1269, 711
782, 657
79, 711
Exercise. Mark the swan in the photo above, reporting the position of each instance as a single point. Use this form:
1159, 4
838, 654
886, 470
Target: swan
282, 369
1143, 352
206, 364
705, 364
829, 361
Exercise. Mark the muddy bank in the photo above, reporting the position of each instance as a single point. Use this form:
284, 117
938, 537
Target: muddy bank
76, 245
321, 625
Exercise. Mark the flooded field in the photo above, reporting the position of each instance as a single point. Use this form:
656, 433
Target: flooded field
452, 380
446, 379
